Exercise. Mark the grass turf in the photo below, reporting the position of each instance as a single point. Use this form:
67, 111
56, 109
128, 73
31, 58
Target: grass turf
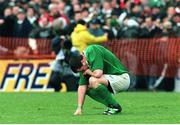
47, 108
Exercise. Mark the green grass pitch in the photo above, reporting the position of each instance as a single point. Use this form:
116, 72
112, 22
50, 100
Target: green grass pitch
47, 108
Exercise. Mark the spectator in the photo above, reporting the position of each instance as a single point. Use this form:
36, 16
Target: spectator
135, 11
73, 2
170, 12
85, 15
15, 10
95, 28
129, 28
113, 23
53, 10
108, 29
8, 23
61, 71
81, 37
37, 4
176, 24
76, 7
43, 30
64, 8
22, 26
150, 27
3, 6
60, 27
31, 15
107, 8
168, 29
77, 17
95, 7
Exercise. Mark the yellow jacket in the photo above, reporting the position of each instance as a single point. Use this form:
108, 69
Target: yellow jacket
81, 37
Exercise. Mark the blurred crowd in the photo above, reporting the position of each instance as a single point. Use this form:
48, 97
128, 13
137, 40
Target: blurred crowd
118, 18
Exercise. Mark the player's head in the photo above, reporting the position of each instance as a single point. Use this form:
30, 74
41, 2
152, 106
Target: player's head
78, 63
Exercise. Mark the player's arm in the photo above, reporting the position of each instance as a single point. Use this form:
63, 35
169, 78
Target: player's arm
95, 62
96, 73
81, 97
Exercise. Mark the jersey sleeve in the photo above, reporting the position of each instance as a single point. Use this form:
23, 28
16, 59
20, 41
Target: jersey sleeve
83, 80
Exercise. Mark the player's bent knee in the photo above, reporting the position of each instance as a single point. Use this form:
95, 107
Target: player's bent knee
93, 82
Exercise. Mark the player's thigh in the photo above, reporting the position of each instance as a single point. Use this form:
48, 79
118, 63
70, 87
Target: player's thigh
118, 83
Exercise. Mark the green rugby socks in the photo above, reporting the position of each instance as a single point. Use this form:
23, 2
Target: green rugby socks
95, 95
102, 95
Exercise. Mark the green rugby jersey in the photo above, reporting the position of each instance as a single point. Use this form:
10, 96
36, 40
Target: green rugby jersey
99, 57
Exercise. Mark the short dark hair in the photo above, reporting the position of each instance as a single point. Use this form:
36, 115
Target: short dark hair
75, 61
95, 21
81, 21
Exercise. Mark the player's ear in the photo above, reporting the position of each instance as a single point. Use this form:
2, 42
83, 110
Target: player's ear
83, 53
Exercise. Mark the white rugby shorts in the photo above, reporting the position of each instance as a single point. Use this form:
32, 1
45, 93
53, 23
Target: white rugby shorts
118, 83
